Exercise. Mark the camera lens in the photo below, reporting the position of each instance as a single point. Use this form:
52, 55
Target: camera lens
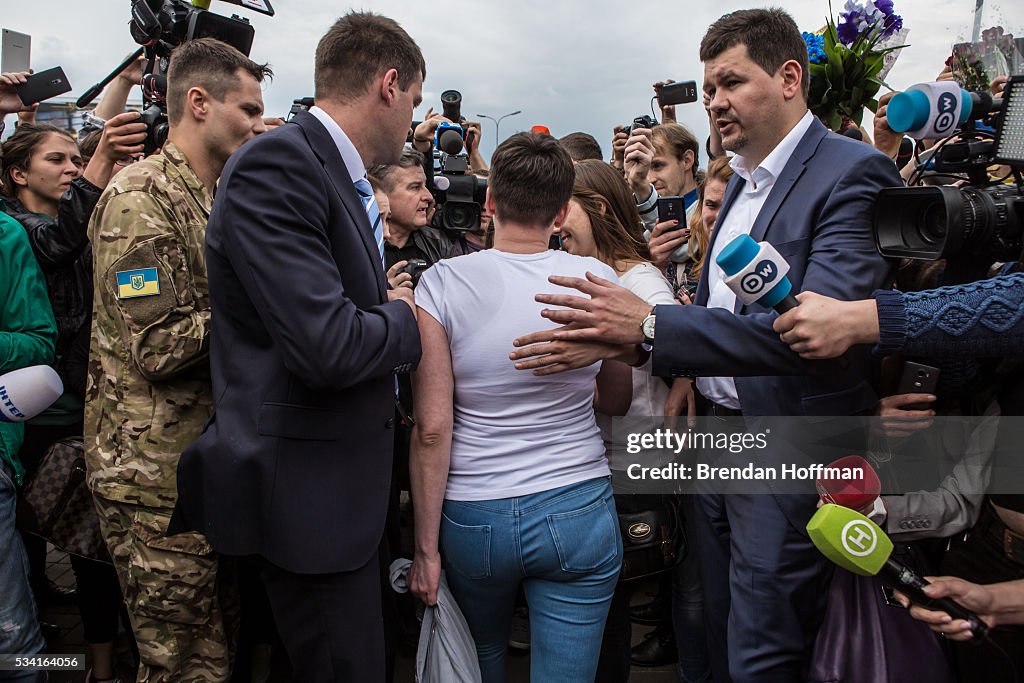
932, 226
461, 215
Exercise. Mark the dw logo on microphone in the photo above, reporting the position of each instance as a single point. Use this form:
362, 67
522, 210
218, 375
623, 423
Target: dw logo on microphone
755, 281
946, 106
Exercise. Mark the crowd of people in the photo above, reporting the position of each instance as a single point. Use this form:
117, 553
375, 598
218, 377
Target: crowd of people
268, 342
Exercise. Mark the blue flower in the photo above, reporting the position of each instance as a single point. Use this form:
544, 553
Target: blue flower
815, 48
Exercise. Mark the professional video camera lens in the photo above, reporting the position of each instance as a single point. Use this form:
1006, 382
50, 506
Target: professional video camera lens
461, 215
982, 224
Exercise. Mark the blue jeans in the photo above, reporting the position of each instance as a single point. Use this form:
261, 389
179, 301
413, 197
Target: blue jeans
563, 546
19, 626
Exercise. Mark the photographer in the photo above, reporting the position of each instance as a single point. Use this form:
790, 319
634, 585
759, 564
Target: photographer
412, 239
150, 371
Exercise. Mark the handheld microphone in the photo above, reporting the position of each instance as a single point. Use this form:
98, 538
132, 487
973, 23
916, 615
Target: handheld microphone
858, 545
755, 272
935, 110
855, 494
26, 392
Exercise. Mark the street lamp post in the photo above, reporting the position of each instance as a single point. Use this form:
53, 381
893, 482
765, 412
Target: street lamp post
497, 123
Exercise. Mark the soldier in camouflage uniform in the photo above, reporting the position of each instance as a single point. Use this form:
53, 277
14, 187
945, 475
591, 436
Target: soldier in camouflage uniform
149, 392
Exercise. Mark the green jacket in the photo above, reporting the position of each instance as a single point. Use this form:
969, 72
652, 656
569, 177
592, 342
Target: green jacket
28, 331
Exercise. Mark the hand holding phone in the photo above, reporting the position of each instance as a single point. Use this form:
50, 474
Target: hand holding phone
677, 93
671, 209
43, 85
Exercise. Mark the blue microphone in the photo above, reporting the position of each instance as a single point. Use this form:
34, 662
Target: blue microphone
756, 273
937, 110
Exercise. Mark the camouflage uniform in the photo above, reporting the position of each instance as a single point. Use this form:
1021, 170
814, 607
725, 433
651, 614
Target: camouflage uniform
149, 397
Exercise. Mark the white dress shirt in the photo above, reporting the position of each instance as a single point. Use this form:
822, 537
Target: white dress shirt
738, 221
349, 154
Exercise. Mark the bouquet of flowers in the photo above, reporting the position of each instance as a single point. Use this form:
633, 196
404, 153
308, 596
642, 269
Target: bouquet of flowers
848, 61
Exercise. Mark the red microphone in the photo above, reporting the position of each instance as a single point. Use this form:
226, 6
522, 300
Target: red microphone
856, 494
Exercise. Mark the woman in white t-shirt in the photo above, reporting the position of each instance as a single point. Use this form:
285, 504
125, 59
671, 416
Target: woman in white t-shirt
510, 483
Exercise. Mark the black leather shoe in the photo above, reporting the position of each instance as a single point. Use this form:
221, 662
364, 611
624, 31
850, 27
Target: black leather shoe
650, 613
657, 649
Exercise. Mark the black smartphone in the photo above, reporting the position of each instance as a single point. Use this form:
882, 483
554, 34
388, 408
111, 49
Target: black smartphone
677, 93
43, 85
672, 209
918, 379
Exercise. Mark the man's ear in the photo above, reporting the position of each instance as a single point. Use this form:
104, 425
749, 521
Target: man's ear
688, 159
489, 202
389, 86
197, 103
792, 79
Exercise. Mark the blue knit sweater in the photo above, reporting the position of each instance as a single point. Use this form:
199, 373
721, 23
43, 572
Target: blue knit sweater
978, 319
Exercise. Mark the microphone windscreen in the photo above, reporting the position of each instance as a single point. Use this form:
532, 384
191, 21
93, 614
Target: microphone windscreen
450, 142
849, 539
26, 392
906, 152
853, 492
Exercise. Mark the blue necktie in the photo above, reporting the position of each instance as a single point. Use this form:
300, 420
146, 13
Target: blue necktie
372, 212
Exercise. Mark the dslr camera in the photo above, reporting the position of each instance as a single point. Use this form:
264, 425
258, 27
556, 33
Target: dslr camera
458, 193
644, 121
979, 223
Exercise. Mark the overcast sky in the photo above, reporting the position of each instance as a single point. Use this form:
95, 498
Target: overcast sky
570, 65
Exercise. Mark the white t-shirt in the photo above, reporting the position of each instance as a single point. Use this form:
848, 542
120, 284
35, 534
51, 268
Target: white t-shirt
514, 433
649, 393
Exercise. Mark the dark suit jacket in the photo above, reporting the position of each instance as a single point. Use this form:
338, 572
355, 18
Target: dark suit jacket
296, 462
818, 216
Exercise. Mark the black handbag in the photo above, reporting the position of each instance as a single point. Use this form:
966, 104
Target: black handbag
653, 540
56, 505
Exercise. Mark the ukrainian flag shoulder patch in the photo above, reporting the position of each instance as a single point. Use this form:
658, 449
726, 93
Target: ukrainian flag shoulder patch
140, 282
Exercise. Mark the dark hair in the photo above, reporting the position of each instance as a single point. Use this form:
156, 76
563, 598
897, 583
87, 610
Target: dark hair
359, 48
382, 172
720, 170
88, 144
602, 193
211, 65
771, 36
19, 148
581, 146
678, 140
531, 178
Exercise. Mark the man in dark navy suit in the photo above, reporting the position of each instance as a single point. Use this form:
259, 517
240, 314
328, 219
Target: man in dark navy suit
294, 468
810, 193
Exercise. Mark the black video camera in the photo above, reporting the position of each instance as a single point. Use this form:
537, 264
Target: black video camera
458, 193
162, 25
644, 121
979, 223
